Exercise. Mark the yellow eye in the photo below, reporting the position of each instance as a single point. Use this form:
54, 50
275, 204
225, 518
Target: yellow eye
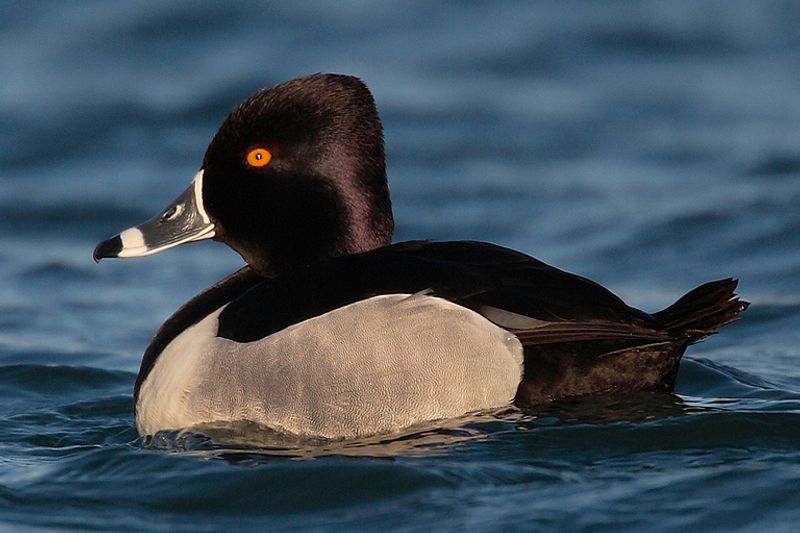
258, 157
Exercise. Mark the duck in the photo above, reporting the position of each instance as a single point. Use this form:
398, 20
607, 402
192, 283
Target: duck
333, 331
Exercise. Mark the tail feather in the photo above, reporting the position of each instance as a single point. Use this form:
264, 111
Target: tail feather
704, 310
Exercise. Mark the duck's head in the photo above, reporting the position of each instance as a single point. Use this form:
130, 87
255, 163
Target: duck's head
296, 174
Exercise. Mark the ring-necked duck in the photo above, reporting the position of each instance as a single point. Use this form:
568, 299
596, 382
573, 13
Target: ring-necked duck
332, 331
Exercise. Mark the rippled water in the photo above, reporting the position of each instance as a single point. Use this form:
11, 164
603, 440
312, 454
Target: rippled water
649, 146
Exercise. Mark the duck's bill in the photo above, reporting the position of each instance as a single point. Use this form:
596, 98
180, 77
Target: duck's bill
184, 220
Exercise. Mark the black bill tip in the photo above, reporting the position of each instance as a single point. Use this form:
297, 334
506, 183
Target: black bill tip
109, 248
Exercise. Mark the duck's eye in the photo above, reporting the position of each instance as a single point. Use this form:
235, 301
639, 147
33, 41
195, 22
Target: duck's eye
258, 157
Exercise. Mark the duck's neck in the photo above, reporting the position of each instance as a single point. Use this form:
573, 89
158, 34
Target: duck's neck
314, 229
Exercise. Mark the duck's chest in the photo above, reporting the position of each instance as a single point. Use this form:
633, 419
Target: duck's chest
377, 365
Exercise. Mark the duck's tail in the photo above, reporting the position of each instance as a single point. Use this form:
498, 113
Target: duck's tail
704, 310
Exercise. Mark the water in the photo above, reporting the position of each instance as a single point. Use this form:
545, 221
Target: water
649, 146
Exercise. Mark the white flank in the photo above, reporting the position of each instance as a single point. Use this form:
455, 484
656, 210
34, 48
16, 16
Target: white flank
375, 366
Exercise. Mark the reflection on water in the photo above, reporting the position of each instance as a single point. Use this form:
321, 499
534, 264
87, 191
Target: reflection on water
237, 441
610, 408
242, 441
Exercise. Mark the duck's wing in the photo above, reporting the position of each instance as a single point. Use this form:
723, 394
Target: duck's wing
538, 303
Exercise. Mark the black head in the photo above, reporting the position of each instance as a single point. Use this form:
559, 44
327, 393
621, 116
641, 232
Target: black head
323, 191
296, 174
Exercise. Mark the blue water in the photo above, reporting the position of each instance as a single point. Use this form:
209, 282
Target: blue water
649, 146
